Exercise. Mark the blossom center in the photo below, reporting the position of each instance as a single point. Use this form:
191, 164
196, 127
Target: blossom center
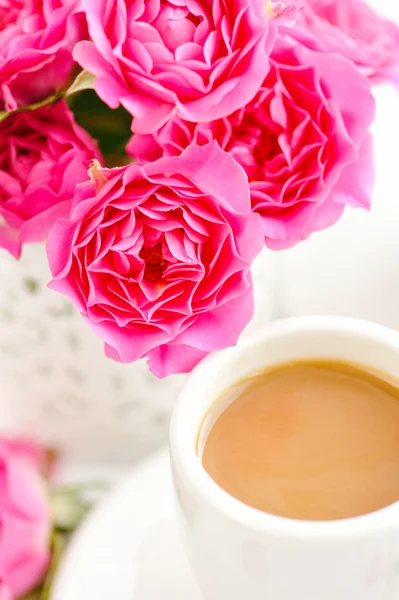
255, 146
155, 264
175, 24
266, 149
21, 159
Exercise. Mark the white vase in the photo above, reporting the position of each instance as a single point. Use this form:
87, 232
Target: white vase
55, 382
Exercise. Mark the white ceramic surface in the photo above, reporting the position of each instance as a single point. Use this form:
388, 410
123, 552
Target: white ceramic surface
129, 548
239, 552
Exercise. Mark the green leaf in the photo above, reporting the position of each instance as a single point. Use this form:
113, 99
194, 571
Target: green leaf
84, 81
110, 127
69, 507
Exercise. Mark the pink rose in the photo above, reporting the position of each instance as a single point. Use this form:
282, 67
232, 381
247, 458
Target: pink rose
25, 520
354, 30
5, 593
303, 142
36, 42
158, 259
200, 59
42, 156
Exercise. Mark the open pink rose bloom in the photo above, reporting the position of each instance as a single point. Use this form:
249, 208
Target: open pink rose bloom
303, 142
157, 257
200, 59
25, 519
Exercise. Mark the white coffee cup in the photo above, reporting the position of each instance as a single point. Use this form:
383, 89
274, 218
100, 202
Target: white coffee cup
240, 553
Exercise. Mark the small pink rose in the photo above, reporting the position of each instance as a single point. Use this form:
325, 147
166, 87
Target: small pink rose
42, 156
353, 29
5, 593
201, 60
36, 42
25, 520
157, 257
303, 142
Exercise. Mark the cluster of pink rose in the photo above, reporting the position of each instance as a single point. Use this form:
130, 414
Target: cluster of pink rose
251, 126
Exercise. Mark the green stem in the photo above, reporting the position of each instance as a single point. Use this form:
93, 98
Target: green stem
58, 546
83, 81
31, 107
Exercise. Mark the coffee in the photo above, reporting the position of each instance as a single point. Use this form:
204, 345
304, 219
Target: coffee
313, 440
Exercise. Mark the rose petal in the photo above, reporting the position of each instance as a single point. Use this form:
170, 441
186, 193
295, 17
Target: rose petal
159, 255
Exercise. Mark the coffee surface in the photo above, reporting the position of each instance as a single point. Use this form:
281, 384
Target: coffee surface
313, 440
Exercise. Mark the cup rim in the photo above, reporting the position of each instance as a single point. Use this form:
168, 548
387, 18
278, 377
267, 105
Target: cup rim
184, 453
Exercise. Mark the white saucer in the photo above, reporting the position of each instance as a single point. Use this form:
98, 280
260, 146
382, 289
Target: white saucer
129, 547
